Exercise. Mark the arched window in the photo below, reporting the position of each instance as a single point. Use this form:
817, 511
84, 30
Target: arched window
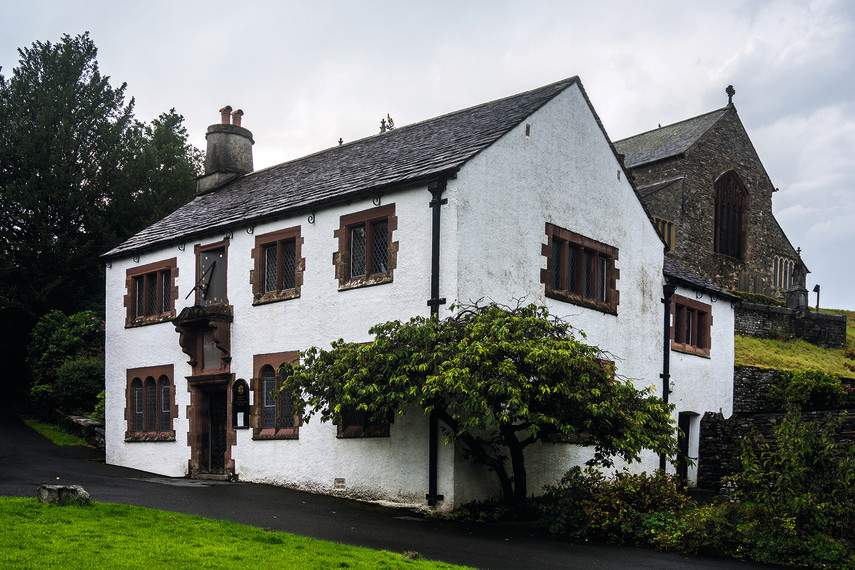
272, 411
165, 419
731, 215
268, 387
138, 409
150, 404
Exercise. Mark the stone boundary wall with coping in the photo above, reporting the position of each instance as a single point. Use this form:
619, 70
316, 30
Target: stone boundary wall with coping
720, 437
764, 321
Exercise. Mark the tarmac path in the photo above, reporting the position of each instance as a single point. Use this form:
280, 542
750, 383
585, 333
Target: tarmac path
28, 460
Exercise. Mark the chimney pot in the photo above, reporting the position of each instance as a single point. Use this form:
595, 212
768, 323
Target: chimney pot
236, 115
224, 114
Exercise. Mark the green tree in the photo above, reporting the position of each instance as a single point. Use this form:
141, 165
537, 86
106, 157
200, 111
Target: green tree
499, 379
77, 176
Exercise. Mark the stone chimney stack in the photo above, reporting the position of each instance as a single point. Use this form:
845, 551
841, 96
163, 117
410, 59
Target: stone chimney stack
229, 152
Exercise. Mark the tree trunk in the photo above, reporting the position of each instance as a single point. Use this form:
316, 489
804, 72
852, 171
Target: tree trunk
517, 465
481, 455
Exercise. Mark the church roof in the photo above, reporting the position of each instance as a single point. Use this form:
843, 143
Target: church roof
675, 272
668, 141
405, 155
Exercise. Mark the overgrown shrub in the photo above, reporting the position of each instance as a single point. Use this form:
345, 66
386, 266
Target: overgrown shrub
78, 383
808, 389
794, 500
65, 356
625, 508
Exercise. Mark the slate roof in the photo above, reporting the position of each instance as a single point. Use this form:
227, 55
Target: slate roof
667, 141
676, 272
407, 154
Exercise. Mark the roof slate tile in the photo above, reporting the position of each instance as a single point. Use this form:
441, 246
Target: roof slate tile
406, 154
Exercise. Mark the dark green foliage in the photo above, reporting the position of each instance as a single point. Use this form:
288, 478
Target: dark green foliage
77, 175
499, 379
78, 383
66, 356
808, 389
626, 508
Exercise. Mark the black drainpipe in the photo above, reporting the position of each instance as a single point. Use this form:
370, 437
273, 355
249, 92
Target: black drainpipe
668, 291
436, 188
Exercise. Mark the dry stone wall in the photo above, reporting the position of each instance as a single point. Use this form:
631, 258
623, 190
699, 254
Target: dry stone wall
780, 322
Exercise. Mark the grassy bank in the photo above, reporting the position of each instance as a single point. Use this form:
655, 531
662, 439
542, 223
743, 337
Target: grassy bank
105, 535
55, 434
797, 354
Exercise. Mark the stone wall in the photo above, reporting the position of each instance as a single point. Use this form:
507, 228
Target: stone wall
720, 438
780, 322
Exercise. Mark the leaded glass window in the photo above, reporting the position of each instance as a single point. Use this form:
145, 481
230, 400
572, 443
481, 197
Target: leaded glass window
380, 249
150, 405
165, 400
357, 251
268, 388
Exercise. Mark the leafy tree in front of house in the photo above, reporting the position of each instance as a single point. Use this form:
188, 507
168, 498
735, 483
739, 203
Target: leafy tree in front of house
499, 379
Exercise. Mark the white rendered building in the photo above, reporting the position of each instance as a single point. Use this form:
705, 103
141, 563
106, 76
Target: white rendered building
520, 198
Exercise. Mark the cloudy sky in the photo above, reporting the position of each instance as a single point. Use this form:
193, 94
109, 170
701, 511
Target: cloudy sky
306, 73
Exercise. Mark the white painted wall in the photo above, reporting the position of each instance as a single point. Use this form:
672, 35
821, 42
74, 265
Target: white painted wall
371, 467
493, 229
565, 173
705, 384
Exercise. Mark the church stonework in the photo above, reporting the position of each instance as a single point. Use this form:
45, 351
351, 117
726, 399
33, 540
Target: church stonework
677, 169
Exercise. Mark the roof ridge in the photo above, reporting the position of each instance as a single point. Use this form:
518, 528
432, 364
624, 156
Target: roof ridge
696, 117
392, 132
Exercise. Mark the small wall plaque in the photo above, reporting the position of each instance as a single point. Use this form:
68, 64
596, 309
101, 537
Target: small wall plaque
240, 404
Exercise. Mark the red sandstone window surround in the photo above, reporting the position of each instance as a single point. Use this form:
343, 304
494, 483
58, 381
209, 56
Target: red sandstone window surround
150, 293
272, 413
366, 253
278, 272
150, 404
691, 321
580, 270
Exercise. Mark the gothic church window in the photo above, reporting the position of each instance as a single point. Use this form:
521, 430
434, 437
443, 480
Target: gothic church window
731, 216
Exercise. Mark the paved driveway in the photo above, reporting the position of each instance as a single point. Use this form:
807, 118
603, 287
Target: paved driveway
27, 460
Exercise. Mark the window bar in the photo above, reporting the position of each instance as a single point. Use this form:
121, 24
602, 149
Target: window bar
150, 405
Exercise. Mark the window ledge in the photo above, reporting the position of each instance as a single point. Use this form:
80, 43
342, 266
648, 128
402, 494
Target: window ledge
582, 301
269, 434
149, 320
149, 436
365, 281
275, 296
689, 349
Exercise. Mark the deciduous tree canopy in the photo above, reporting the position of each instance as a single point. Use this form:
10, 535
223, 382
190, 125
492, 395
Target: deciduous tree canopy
499, 379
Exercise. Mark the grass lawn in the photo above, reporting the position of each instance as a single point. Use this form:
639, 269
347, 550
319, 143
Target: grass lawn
106, 535
797, 354
55, 434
